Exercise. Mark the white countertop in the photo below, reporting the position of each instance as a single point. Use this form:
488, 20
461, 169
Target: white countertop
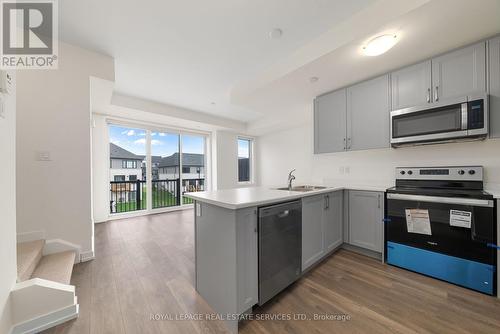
256, 196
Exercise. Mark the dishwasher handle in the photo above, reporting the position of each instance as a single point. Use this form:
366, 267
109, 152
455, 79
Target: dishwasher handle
282, 210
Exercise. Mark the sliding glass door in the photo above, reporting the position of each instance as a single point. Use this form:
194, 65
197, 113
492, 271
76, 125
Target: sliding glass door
177, 165
127, 165
193, 165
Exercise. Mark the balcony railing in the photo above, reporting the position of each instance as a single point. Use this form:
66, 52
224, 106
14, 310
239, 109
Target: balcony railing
131, 195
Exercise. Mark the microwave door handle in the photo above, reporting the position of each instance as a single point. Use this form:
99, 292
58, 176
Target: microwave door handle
436, 94
464, 116
429, 95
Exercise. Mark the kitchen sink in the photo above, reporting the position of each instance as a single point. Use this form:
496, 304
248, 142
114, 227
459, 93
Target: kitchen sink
302, 188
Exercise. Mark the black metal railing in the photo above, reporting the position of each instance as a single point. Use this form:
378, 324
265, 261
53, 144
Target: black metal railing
165, 193
131, 195
127, 196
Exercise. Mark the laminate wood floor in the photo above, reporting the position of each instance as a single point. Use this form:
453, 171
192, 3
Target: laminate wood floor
144, 268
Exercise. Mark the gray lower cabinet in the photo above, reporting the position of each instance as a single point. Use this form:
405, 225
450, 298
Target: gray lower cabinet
368, 114
329, 122
459, 73
322, 220
494, 77
226, 256
411, 86
247, 258
366, 212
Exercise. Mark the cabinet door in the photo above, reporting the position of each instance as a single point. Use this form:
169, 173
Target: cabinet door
365, 219
411, 86
333, 221
247, 258
494, 47
368, 114
329, 122
459, 73
312, 229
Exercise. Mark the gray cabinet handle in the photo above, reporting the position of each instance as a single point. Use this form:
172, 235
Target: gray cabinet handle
379, 201
429, 95
436, 94
345, 147
349, 143
325, 206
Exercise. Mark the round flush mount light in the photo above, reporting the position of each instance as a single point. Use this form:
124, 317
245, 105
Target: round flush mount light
276, 33
313, 79
379, 45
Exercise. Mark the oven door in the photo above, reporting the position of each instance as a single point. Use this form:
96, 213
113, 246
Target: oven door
446, 237
413, 125
454, 245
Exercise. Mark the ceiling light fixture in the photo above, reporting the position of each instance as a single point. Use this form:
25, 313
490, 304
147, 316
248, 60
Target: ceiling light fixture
213, 103
380, 44
276, 33
313, 79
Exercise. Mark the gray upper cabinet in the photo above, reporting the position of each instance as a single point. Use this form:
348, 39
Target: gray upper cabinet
411, 86
334, 215
329, 122
459, 73
368, 114
312, 229
494, 75
366, 213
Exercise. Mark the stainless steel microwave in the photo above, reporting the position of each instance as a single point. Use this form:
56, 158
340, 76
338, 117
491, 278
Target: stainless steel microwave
463, 119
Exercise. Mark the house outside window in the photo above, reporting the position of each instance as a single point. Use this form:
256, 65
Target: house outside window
132, 177
244, 159
119, 178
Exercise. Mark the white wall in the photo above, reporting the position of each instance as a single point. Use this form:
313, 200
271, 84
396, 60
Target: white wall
100, 169
226, 161
54, 115
293, 148
7, 207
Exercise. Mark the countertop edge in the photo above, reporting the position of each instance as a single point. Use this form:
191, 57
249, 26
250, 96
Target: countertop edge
289, 196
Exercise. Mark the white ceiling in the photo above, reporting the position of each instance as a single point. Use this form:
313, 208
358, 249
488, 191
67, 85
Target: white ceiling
191, 53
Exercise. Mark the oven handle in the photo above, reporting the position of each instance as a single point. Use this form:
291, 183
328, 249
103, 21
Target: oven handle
446, 200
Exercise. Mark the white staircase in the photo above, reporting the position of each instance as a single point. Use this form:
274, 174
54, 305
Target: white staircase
43, 296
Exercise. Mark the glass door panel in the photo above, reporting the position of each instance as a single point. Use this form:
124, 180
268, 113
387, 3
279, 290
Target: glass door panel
127, 166
165, 170
193, 165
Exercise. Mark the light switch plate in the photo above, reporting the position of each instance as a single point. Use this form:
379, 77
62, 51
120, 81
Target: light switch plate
43, 156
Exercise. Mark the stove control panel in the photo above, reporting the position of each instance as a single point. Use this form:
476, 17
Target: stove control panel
460, 173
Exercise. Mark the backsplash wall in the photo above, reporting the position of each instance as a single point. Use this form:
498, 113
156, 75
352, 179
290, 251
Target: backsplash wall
293, 148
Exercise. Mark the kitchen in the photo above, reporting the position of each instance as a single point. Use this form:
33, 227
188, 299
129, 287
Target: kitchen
252, 243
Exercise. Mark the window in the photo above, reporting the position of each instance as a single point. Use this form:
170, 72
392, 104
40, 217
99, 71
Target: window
244, 159
132, 177
186, 170
129, 164
119, 178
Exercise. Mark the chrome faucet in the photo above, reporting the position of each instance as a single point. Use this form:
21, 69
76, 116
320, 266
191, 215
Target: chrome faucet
291, 177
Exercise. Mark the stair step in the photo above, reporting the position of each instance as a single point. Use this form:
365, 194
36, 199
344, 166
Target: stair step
28, 257
56, 267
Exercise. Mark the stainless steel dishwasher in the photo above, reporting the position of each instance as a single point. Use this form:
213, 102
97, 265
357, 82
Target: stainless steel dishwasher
280, 247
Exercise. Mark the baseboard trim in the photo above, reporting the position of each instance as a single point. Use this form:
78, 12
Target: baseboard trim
362, 251
30, 236
46, 321
87, 256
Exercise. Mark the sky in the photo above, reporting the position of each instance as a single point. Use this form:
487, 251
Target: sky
162, 143
243, 148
